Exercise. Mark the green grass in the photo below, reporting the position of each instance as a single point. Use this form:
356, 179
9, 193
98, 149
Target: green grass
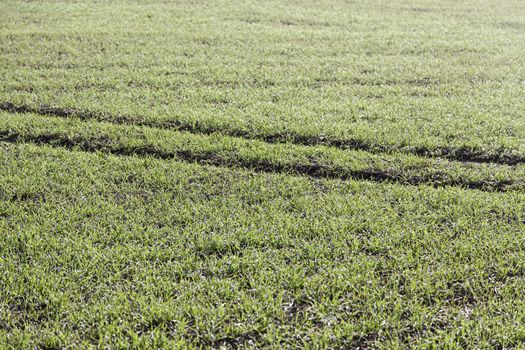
292, 174
441, 77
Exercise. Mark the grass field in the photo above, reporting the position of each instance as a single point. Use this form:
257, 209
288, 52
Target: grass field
277, 174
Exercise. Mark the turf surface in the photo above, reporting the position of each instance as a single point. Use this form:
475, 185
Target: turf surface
292, 174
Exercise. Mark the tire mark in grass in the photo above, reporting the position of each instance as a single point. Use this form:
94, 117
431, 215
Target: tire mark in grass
313, 169
462, 154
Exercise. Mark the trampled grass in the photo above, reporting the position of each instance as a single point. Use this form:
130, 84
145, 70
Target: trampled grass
292, 174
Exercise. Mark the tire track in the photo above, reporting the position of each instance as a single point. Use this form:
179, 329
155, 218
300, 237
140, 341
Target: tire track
461, 154
313, 170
